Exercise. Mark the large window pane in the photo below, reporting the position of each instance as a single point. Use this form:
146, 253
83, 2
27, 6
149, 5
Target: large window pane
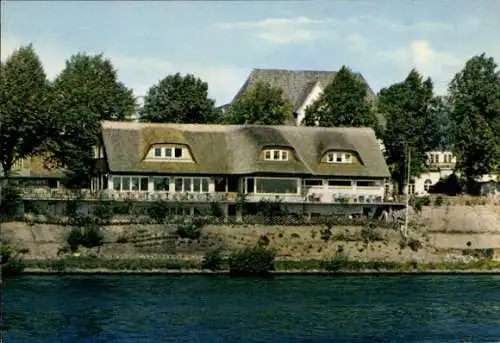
282, 186
161, 184
135, 183
187, 185
117, 183
178, 185
144, 183
196, 184
125, 183
204, 185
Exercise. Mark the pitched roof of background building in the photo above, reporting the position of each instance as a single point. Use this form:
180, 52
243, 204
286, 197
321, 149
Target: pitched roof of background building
294, 83
235, 149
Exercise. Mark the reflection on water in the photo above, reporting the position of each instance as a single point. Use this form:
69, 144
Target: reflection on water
222, 309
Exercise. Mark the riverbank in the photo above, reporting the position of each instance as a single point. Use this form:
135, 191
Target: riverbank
193, 267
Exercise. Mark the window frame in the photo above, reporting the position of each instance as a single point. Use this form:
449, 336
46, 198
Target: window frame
338, 157
257, 179
280, 155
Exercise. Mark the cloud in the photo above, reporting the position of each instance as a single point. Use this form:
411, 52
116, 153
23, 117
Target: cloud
284, 30
142, 72
356, 42
429, 26
419, 54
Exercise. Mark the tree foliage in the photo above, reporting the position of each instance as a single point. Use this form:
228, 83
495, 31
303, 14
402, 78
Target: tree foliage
179, 99
261, 104
24, 107
410, 109
86, 92
475, 112
343, 103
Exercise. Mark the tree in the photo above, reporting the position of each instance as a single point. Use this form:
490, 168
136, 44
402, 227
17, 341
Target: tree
179, 99
23, 110
86, 92
475, 112
261, 104
411, 116
343, 103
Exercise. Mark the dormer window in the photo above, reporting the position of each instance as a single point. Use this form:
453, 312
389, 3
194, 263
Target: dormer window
339, 157
167, 152
276, 155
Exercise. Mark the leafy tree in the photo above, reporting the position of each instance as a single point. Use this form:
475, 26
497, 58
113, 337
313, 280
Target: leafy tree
475, 112
23, 110
86, 92
343, 103
411, 111
261, 104
179, 99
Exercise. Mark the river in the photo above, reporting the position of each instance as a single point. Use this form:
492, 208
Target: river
222, 309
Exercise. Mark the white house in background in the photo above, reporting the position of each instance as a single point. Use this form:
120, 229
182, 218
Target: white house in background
441, 164
300, 87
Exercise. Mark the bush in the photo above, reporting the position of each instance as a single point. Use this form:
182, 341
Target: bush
158, 211
438, 201
414, 244
271, 209
216, 210
104, 211
338, 262
10, 200
122, 239
213, 260
252, 261
294, 235
263, 241
326, 234
190, 230
88, 236
369, 233
10, 261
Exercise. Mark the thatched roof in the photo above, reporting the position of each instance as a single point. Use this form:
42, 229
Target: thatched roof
235, 149
296, 84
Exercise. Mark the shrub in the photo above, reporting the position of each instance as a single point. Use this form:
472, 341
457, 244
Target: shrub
252, 260
339, 261
71, 209
263, 241
326, 234
190, 230
369, 233
438, 201
213, 260
122, 239
216, 210
10, 200
295, 235
88, 236
104, 211
414, 244
271, 209
158, 211
10, 261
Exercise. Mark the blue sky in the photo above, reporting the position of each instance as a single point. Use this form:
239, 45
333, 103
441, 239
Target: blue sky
222, 41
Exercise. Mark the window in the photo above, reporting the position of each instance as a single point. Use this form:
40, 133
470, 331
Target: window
157, 152
368, 184
313, 183
276, 155
192, 184
274, 185
178, 152
178, 185
250, 185
339, 157
339, 183
168, 152
130, 183
161, 184
427, 185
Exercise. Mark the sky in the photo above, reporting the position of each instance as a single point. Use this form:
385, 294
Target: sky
222, 41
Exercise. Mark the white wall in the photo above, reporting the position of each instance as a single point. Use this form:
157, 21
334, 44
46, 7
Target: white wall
312, 97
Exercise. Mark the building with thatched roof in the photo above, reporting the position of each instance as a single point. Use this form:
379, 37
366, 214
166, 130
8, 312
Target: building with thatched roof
300, 87
299, 166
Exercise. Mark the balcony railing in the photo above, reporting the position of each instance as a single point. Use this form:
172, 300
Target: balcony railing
87, 195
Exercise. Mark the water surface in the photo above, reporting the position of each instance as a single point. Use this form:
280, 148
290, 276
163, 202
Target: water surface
128, 309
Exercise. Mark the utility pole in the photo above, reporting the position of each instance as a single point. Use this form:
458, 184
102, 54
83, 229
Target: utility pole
407, 193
